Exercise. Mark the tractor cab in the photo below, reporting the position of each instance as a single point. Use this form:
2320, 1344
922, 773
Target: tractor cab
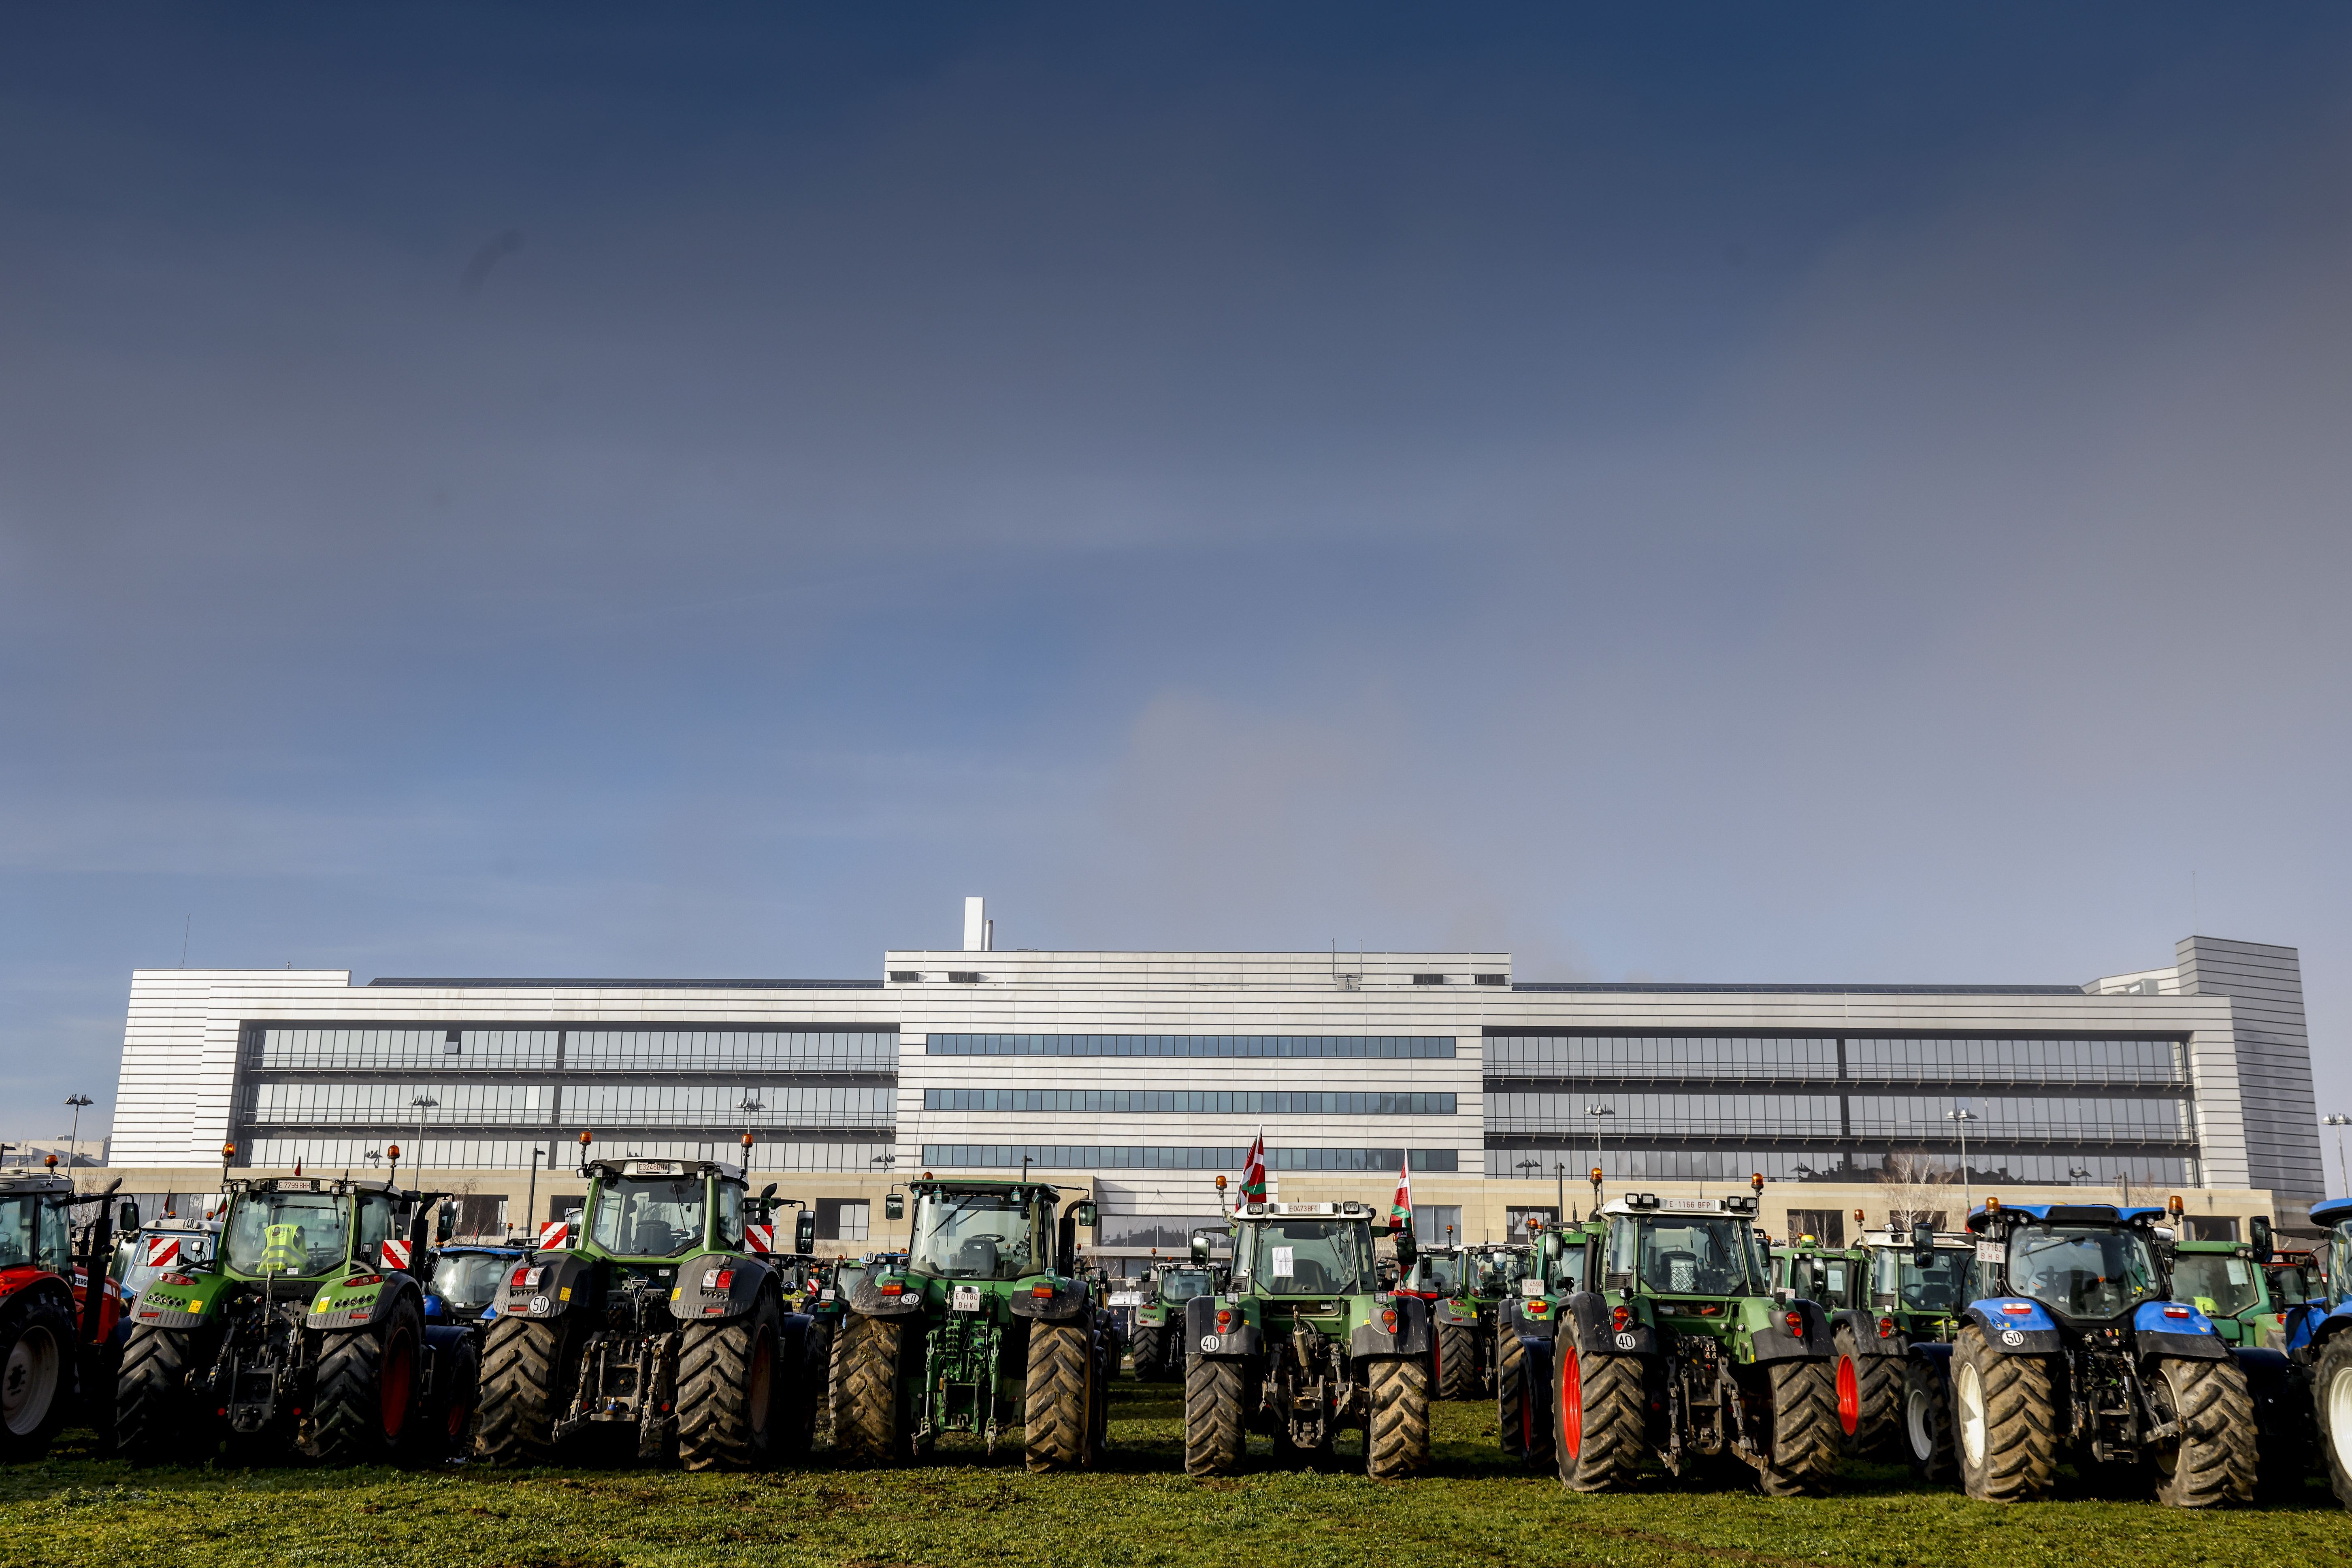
1436, 1274
467, 1281
1695, 1252
991, 1231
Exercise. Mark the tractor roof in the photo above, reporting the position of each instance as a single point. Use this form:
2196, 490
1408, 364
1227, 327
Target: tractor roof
2332, 1211
1349, 1210
608, 1169
43, 1183
930, 1183
1900, 1240
1651, 1203
2071, 1214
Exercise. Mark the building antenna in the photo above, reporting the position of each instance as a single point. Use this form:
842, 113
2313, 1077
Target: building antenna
186, 927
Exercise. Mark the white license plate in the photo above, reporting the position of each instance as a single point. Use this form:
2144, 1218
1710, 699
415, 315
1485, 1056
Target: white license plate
965, 1300
1126, 1298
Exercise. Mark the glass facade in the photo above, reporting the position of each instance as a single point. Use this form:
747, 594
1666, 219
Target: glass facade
1139, 1157
1193, 1101
1297, 1047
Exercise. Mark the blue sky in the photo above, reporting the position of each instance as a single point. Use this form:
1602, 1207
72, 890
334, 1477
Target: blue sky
1700, 493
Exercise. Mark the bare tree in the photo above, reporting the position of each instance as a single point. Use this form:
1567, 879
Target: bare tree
1921, 1187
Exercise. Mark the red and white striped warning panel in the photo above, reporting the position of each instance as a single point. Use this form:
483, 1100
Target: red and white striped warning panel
761, 1237
555, 1233
395, 1255
162, 1251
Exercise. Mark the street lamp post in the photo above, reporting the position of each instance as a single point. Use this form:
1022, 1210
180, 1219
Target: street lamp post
2342, 1171
531, 1197
1962, 1115
422, 1102
73, 1139
1597, 1113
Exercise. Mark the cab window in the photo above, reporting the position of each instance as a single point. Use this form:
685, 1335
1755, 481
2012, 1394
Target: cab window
376, 1228
730, 1214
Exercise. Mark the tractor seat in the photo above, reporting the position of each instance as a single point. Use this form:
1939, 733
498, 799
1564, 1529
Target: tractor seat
976, 1259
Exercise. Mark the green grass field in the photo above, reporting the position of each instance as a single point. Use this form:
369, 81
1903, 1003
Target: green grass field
964, 1508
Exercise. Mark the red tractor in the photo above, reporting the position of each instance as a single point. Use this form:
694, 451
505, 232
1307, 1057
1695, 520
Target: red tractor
57, 1335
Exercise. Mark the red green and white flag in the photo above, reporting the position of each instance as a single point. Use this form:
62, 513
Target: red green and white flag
1400, 1207
1253, 1173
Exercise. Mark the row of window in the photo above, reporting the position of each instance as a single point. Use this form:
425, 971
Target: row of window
320, 1157
1300, 1046
1904, 1171
458, 1047
1187, 1101
1134, 1157
1922, 1117
1830, 1059
695, 1106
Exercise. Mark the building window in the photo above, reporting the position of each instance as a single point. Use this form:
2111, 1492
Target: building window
1189, 1102
1494, 980
1824, 1225
1145, 1157
1429, 979
905, 976
1516, 1220
1368, 1047
964, 976
1437, 1225
843, 1219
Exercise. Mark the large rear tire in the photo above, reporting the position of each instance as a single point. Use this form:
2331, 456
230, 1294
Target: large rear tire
36, 1373
869, 1410
1212, 1416
732, 1391
2331, 1398
529, 1367
1803, 1395
1869, 1393
1457, 1362
154, 1412
370, 1390
1396, 1442
1928, 1421
1150, 1362
1516, 1429
448, 1425
1056, 1406
2214, 1460
2006, 1414
1597, 1417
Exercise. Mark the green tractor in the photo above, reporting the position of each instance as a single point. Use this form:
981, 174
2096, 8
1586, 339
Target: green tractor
1158, 1307
2245, 1288
1895, 1304
1302, 1343
986, 1323
654, 1323
305, 1331
1466, 1288
1667, 1339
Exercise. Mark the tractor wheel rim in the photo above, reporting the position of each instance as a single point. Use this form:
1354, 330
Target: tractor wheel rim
28, 1383
1919, 1421
396, 1383
2339, 1418
1571, 1405
1970, 1389
1849, 1396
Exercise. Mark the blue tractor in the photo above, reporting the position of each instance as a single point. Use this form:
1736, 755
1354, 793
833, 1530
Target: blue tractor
2320, 1344
468, 1280
2077, 1351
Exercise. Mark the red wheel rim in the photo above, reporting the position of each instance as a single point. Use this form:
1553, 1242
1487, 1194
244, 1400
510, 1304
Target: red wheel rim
1572, 1403
396, 1383
1849, 1390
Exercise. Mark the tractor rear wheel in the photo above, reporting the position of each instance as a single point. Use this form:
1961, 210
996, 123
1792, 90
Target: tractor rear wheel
2006, 1415
1212, 1416
1149, 1365
371, 1386
528, 1366
154, 1412
2331, 1389
868, 1409
1396, 1440
1927, 1420
1457, 1362
37, 1373
457, 1394
1058, 1405
1869, 1391
1597, 1417
2213, 1460
732, 1391
1805, 1429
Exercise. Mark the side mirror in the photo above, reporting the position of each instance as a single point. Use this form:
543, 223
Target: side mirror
448, 1219
893, 1206
1085, 1212
2259, 1229
768, 1193
1406, 1248
804, 1231
1200, 1246
126, 1218
1923, 1245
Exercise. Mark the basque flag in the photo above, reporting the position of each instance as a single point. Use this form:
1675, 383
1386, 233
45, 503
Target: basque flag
1400, 1207
1253, 1173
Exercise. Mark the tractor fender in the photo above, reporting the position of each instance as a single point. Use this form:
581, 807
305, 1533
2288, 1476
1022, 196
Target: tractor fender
2015, 1326
2182, 1332
37, 1285
1587, 1315
550, 1280
1865, 1329
191, 1306
2311, 1325
867, 1301
339, 1305
1520, 1323
1775, 1342
1201, 1337
1412, 1335
1454, 1313
2281, 1398
1071, 1299
1936, 1354
713, 1287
